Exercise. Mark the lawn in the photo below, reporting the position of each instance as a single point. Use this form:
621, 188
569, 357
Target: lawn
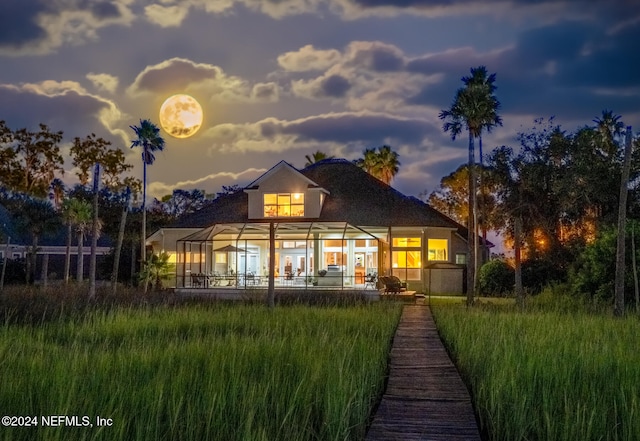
547, 375
214, 372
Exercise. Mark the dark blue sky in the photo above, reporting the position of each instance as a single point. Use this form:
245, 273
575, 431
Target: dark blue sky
280, 79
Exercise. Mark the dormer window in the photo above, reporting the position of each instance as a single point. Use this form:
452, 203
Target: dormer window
284, 205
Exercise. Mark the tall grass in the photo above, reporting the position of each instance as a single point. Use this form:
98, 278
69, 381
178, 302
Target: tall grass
547, 375
220, 372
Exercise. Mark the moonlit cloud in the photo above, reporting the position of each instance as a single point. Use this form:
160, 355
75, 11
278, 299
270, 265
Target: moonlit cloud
166, 16
103, 82
35, 27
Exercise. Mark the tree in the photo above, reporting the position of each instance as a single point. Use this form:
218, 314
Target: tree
79, 215
37, 218
57, 192
91, 150
475, 108
155, 270
150, 141
29, 160
181, 202
316, 157
381, 163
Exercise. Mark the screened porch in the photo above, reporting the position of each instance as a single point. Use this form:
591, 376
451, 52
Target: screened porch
306, 254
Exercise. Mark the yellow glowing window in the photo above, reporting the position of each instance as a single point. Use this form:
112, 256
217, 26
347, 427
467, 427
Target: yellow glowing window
406, 259
221, 257
284, 204
408, 242
438, 249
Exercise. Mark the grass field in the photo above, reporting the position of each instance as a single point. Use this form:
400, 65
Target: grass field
547, 375
215, 372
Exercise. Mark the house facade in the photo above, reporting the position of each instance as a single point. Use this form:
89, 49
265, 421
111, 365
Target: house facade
334, 225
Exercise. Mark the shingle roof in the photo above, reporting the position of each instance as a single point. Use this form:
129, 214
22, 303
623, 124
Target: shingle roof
354, 196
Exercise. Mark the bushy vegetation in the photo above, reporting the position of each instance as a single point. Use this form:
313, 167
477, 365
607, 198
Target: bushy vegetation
208, 371
496, 278
593, 274
550, 373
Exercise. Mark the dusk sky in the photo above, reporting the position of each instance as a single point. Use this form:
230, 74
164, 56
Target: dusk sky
280, 79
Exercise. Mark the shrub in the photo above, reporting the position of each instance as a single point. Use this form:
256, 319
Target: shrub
496, 278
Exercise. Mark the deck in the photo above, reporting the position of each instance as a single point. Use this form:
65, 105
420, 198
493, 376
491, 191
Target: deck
425, 397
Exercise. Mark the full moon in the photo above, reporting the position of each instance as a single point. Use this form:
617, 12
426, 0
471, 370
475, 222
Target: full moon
181, 116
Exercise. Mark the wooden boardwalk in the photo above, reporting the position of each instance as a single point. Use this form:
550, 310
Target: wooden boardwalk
425, 397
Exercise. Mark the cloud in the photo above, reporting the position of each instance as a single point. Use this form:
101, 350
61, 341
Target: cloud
42, 102
166, 16
329, 86
37, 27
308, 58
180, 75
210, 184
269, 92
345, 131
103, 82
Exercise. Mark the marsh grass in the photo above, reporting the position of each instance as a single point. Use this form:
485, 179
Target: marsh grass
547, 375
200, 372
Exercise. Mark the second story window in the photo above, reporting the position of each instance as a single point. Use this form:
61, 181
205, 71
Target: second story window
284, 205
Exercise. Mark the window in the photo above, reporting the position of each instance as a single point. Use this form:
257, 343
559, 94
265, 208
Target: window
407, 242
406, 264
284, 205
461, 258
438, 249
221, 257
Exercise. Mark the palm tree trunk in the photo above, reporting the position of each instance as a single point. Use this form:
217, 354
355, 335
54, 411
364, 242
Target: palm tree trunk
143, 248
94, 244
471, 257
618, 310
118, 250
80, 263
44, 274
67, 256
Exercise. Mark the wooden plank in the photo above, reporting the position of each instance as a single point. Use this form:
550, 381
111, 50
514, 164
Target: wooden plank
425, 397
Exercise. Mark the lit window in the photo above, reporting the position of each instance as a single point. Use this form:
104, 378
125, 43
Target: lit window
438, 249
461, 259
407, 242
284, 205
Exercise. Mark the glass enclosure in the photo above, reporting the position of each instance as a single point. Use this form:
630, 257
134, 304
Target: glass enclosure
306, 254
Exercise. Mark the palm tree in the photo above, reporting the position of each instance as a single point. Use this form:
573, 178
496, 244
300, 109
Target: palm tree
36, 217
608, 128
57, 191
149, 139
388, 164
381, 163
78, 213
155, 270
316, 157
475, 108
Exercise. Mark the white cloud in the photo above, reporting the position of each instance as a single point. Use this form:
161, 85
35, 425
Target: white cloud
308, 58
180, 75
103, 81
166, 16
210, 184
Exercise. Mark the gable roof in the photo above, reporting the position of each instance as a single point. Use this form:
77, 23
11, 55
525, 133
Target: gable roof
354, 197
275, 169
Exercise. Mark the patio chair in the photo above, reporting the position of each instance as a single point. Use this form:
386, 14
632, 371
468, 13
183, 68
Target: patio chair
370, 280
392, 284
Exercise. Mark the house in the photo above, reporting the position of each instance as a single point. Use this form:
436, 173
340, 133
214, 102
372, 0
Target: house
335, 226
